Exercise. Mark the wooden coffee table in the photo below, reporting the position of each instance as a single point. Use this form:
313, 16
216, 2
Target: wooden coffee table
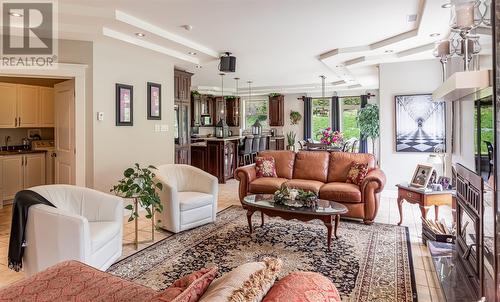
327, 211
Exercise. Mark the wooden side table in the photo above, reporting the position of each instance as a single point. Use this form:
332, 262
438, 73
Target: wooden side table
424, 199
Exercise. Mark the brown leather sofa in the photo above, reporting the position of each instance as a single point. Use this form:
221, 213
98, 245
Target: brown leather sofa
323, 173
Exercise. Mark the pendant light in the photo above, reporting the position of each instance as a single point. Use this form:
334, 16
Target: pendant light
222, 129
237, 96
322, 86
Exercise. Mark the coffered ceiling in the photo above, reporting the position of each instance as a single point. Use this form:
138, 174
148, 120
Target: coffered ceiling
280, 45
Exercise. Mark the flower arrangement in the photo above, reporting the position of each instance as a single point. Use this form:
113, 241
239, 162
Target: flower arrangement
289, 196
331, 138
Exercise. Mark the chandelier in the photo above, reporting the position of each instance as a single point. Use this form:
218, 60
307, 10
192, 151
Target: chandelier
466, 17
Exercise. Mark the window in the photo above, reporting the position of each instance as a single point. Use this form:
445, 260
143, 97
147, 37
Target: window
350, 109
256, 110
320, 117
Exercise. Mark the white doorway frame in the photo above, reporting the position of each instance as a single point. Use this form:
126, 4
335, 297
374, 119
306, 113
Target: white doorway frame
77, 72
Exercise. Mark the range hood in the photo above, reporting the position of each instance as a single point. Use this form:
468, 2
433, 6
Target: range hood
461, 84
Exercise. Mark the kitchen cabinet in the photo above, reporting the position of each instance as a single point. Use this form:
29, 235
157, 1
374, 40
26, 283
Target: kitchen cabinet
8, 105
222, 158
21, 172
182, 86
199, 156
233, 112
182, 107
277, 110
26, 106
202, 110
46, 117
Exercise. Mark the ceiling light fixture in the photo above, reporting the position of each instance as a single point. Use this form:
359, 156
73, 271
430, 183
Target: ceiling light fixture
15, 14
389, 51
187, 27
192, 53
140, 34
434, 35
198, 66
322, 86
446, 5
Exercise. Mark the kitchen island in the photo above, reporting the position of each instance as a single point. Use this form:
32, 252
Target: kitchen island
219, 156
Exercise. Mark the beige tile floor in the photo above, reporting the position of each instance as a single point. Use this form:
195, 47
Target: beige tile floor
427, 286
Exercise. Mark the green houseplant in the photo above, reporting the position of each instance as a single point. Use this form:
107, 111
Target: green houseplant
290, 137
274, 94
140, 183
295, 117
369, 123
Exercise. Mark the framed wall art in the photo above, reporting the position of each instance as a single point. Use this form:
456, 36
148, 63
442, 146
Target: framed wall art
420, 124
124, 105
154, 101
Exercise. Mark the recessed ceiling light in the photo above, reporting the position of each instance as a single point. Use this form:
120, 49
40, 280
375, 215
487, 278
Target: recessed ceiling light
389, 51
446, 5
198, 66
192, 53
15, 14
434, 35
140, 34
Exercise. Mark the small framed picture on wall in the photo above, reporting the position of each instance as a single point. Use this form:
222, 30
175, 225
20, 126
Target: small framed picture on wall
154, 101
124, 105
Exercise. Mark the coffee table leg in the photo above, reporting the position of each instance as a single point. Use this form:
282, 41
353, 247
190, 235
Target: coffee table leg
249, 219
262, 218
328, 224
337, 222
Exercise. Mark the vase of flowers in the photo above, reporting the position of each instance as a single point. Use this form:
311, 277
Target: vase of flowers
331, 138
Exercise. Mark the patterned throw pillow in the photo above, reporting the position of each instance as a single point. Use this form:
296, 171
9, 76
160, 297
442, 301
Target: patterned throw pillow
265, 167
188, 288
249, 282
303, 287
357, 173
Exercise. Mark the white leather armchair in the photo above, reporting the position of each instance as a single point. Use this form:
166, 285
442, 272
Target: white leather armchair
189, 197
85, 225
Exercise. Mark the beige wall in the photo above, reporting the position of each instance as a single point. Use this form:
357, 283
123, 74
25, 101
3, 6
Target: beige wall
116, 148
396, 79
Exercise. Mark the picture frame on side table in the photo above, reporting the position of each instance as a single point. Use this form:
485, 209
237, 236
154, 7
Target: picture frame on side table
124, 95
420, 123
445, 182
421, 176
154, 101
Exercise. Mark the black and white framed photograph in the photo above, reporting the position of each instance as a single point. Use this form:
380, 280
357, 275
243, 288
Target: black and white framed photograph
420, 124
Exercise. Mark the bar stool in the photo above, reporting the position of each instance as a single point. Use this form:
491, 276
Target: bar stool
255, 147
245, 153
263, 143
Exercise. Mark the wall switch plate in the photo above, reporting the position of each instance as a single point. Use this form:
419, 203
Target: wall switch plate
100, 116
164, 128
157, 128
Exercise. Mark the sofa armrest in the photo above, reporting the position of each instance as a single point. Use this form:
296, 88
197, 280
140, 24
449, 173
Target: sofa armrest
54, 235
377, 176
245, 175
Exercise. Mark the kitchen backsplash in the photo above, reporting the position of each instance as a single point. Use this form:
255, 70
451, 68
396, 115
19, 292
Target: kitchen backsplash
17, 135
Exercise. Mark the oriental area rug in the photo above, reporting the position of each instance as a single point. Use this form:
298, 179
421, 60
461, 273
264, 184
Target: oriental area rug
366, 262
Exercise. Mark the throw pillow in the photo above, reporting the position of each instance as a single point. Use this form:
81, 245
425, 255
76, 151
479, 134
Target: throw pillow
188, 288
265, 167
303, 287
357, 173
248, 282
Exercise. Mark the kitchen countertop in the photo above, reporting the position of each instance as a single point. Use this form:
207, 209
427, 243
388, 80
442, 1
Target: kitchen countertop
20, 152
230, 138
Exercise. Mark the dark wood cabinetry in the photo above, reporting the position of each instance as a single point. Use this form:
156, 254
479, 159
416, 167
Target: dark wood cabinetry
233, 112
218, 157
277, 110
182, 107
202, 110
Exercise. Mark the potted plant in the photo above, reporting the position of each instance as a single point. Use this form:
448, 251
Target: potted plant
140, 183
295, 117
274, 94
369, 123
290, 137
